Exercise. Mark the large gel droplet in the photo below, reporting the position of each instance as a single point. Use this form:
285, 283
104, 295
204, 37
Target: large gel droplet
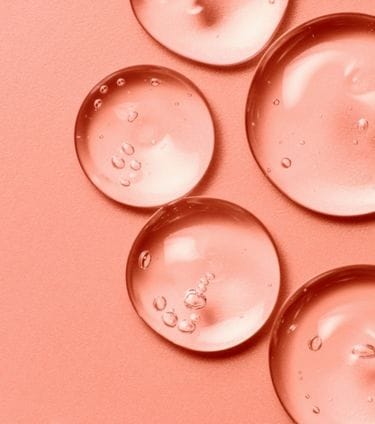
317, 84
163, 151
336, 367
216, 32
185, 240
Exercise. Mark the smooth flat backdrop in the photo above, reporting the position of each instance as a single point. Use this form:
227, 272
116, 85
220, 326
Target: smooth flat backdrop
72, 350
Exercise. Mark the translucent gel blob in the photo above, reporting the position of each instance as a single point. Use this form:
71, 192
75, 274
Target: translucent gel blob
216, 32
144, 136
311, 114
216, 268
322, 352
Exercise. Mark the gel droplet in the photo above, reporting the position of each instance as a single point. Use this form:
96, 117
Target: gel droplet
333, 315
144, 259
170, 318
186, 326
364, 350
311, 78
118, 162
315, 343
194, 300
160, 303
184, 137
185, 239
215, 32
127, 148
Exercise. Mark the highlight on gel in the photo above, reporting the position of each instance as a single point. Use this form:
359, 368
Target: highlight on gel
310, 114
204, 274
215, 32
144, 136
322, 352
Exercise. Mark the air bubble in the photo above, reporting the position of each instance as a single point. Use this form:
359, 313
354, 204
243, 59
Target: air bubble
215, 32
103, 89
155, 82
135, 165
186, 241
362, 124
333, 349
316, 410
210, 276
118, 162
364, 350
286, 163
125, 182
129, 119
144, 259
315, 343
160, 303
98, 104
312, 94
194, 300
127, 148
170, 318
186, 326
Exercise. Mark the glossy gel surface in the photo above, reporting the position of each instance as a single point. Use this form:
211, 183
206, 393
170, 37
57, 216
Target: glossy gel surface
322, 353
214, 264
144, 136
215, 32
310, 114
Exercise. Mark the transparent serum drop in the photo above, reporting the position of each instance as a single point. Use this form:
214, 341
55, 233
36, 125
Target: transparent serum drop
337, 362
129, 121
198, 273
321, 91
212, 31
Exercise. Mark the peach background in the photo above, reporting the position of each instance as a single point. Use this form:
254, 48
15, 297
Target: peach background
72, 349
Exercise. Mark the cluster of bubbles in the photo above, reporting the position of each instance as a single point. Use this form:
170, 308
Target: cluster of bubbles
364, 351
118, 162
194, 299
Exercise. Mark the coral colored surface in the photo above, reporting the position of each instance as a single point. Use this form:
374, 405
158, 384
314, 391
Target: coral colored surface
72, 349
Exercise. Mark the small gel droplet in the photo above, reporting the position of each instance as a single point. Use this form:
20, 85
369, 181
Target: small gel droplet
276, 102
170, 318
144, 259
210, 276
307, 396
120, 82
201, 288
186, 326
118, 162
315, 343
160, 303
286, 163
127, 148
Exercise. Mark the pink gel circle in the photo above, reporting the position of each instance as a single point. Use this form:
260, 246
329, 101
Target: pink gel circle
209, 245
144, 136
322, 352
310, 114
215, 32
